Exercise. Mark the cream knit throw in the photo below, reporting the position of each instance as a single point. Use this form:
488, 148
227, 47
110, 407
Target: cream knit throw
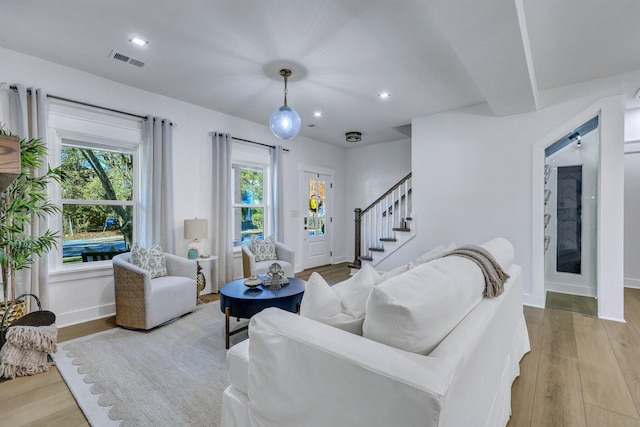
494, 275
26, 349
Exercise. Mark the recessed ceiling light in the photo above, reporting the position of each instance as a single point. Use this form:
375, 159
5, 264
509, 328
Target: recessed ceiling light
384, 95
138, 41
318, 114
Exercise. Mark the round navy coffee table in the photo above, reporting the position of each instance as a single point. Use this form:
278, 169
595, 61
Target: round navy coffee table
238, 300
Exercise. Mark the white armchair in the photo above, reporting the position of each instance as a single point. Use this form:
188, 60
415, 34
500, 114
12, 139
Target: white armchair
143, 302
285, 257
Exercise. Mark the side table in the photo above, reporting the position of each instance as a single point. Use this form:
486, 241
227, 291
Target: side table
200, 279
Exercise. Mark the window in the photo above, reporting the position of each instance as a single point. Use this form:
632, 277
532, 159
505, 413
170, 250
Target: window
249, 209
99, 197
97, 200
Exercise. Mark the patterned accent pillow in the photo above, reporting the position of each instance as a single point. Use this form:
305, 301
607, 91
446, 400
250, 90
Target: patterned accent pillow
263, 250
152, 260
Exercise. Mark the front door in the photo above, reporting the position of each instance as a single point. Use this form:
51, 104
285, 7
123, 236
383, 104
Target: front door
316, 248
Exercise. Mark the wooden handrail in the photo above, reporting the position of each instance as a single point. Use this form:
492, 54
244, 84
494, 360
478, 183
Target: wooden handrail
379, 199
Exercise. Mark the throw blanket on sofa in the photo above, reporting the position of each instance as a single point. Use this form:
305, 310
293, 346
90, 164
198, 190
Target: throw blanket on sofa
26, 349
494, 275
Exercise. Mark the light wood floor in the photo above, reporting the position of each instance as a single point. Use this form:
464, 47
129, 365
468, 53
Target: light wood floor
582, 371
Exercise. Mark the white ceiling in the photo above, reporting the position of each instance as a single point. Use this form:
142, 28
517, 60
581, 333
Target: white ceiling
431, 55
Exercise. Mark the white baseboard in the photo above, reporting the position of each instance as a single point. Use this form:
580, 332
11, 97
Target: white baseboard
85, 315
565, 288
631, 283
533, 300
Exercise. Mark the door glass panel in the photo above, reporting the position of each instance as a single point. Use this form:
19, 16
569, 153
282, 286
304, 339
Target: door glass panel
317, 207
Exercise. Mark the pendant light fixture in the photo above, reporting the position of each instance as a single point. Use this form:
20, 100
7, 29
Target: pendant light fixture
285, 123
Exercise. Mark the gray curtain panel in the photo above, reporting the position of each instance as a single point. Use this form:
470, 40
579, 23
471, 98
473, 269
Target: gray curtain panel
29, 120
158, 223
222, 239
277, 217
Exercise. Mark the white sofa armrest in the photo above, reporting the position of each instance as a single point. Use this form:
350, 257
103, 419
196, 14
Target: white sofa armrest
304, 372
285, 253
179, 266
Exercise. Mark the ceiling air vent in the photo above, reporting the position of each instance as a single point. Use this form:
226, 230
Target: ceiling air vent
126, 58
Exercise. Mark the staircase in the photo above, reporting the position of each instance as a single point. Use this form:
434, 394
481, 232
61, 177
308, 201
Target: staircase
384, 226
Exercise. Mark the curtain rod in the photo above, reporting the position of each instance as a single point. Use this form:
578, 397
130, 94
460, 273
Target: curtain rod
253, 142
100, 107
86, 104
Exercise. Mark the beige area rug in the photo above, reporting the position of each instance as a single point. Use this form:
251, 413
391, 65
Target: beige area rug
170, 376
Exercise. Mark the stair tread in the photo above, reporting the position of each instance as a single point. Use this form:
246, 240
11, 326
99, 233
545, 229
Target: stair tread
365, 258
401, 229
388, 239
377, 249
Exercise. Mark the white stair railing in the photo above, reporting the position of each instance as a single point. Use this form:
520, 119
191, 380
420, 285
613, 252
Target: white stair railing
381, 221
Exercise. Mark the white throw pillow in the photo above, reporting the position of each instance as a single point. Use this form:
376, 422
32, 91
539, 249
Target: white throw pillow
263, 250
397, 271
320, 303
342, 305
434, 253
151, 260
353, 292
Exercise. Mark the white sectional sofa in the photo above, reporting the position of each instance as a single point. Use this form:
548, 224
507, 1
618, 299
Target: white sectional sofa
295, 371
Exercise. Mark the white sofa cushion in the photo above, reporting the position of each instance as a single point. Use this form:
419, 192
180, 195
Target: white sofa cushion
415, 311
502, 250
341, 305
238, 360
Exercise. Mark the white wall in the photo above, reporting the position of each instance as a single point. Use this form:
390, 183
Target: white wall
77, 299
632, 219
473, 177
371, 171
632, 199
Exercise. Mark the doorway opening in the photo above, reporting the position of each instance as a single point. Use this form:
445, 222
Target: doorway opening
570, 219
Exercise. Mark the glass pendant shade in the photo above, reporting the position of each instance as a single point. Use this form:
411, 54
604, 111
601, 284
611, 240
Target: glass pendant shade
285, 122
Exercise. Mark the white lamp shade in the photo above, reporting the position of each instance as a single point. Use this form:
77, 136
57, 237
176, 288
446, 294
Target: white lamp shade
285, 122
195, 229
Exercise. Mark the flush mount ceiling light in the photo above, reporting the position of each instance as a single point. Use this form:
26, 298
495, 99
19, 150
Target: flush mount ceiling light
138, 41
318, 114
285, 122
384, 95
353, 136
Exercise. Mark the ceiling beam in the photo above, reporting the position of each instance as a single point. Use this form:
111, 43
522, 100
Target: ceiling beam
492, 42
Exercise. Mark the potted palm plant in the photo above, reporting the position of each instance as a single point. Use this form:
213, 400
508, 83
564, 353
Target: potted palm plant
25, 198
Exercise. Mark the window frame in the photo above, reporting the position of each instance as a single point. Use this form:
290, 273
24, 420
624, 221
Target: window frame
82, 128
256, 157
266, 196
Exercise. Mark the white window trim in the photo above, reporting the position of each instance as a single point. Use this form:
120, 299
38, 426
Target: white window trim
257, 157
84, 127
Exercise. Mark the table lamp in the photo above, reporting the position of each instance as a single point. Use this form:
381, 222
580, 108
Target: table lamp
193, 230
